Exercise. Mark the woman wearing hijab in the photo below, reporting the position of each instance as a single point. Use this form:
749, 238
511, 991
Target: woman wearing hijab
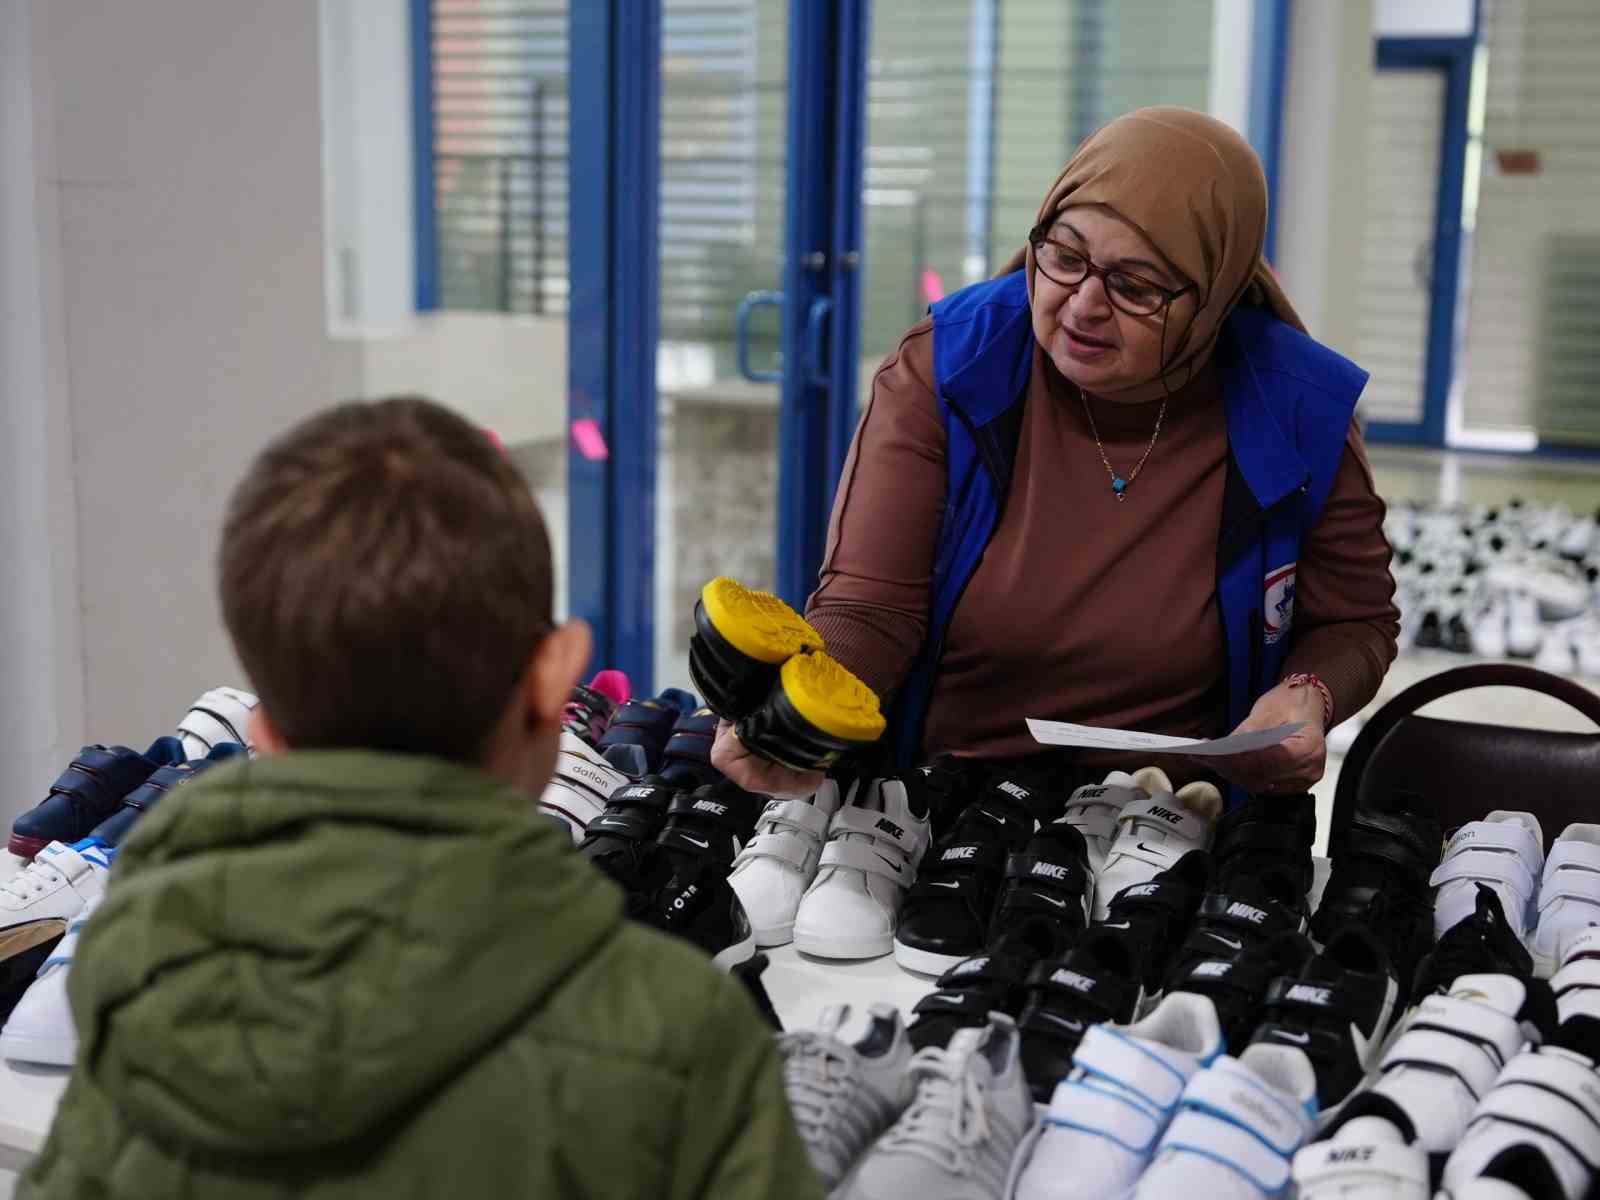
1117, 485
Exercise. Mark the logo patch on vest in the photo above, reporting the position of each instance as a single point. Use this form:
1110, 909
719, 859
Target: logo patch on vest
1278, 606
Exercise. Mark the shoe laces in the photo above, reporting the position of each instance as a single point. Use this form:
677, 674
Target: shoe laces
949, 1118
832, 1111
29, 884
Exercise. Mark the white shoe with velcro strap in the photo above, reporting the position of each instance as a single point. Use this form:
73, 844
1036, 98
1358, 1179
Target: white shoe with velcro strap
1154, 832
870, 860
1093, 811
1569, 894
1238, 1125
1505, 850
778, 864
1577, 984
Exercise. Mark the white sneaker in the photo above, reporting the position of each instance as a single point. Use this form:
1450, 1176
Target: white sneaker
842, 1094
1547, 1100
1523, 634
1447, 1054
1504, 850
1238, 1125
1576, 985
37, 903
1557, 653
778, 864
1569, 895
219, 715
1488, 625
958, 1137
874, 845
1586, 647
1106, 1117
1093, 810
584, 780
40, 1028
1154, 833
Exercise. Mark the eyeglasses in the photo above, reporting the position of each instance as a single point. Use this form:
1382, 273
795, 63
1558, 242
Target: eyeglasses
1134, 295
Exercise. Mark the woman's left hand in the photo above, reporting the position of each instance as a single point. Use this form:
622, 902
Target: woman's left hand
1294, 764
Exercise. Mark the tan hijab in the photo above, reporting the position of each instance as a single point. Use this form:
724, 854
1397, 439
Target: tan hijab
1196, 190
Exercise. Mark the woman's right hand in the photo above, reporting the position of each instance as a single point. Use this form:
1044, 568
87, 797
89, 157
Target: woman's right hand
756, 774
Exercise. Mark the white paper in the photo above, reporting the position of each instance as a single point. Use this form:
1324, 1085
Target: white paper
1063, 733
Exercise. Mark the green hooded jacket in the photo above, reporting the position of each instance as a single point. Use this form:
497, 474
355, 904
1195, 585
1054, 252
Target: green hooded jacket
341, 974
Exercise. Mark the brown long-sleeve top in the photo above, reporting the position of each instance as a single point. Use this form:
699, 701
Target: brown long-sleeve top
1083, 608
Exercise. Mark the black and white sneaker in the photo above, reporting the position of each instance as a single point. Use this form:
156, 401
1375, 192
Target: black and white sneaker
1098, 981
1382, 861
584, 780
1273, 833
1158, 915
1481, 944
1238, 985
1046, 897
945, 917
1338, 1010
965, 996
1251, 912
621, 840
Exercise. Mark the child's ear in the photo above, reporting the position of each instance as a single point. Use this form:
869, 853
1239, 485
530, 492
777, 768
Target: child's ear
557, 665
264, 735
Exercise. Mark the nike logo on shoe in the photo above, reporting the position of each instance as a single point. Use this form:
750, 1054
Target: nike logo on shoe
1053, 900
938, 883
1075, 1026
1231, 943
1283, 1035
695, 841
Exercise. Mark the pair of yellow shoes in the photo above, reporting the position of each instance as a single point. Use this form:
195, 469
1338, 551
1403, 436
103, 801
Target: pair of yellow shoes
761, 664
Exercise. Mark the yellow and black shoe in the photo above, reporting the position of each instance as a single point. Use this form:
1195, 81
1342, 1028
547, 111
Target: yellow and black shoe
817, 712
742, 638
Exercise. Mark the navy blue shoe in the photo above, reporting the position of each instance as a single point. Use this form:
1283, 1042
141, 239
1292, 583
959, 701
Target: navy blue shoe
148, 794
88, 792
648, 723
686, 761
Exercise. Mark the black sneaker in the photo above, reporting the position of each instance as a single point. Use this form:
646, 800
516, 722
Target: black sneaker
1337, 1009
622, 838
698, 905
1271, 833
1237, 986
1045, 901
1251, 913
1157, 915
965, 996
945, 916
1482, 944
749, 974
1098, 981
1381, 864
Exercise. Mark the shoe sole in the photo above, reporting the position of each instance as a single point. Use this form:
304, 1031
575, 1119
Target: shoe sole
24, 937
26, 847
757, 625
828, 946
926, 962
38, 1051
775, 935
817, 713
740, 952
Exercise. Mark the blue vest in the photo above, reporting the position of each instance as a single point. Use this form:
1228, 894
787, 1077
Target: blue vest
1288, 404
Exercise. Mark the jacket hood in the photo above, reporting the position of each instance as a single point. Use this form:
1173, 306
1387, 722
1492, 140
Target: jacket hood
292, 950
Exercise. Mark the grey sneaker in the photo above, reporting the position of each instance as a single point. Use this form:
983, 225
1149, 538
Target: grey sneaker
843, 1095
955, 1142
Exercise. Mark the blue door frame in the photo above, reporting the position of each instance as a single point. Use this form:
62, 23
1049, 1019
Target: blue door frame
1452, 57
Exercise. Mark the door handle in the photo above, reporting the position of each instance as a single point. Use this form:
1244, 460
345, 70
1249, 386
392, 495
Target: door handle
741, 335
816, 357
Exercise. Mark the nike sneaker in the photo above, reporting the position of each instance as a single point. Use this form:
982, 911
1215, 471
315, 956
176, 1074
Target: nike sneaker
1448, 1053
1045, 897
1106, 1117
1238, 1126
843, 1093
946, 787
1158, 916
1569, 894
875, 843
588, 711
36, 905
741, 640
148, 794
1093, 811
1253, 911
965, 996
946, 914
1481, 944
1504, 850
1154, 833
584, 780
1097, 981
1269, 833
778, 864
1238, 985
648, 724
621, 840
219, 715
1545, 1101
1338, 1010
686, 758
88, 792
956, 1139
40, 1029
1577, 984
1382, 861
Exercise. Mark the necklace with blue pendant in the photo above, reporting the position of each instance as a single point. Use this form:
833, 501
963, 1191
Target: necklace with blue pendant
1119, 485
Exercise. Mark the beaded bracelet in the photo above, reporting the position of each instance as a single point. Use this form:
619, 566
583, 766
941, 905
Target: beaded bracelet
1307, 679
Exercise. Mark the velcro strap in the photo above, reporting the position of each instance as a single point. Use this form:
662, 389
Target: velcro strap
1167, 811
1581, 886
1138, 1066
1212, 975
633, 822
1200, 1131
1259, 836
1068, 876
1501, 837
1404, 1167
1551, 1094
728, 814
1488, 866
1225, 910
1170, 895
1572, 856
60, 857
94, 790
162, 781
801, 814
1310, 996
1086, 1105
1106, 993
1578, 973
851, 819
1093, 810
1377, 835
1582, 945
785, 847
963, 857
984, 969
951, 1003
655, 797
1232, 1092
1474, 1062
676, 837
862, 856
